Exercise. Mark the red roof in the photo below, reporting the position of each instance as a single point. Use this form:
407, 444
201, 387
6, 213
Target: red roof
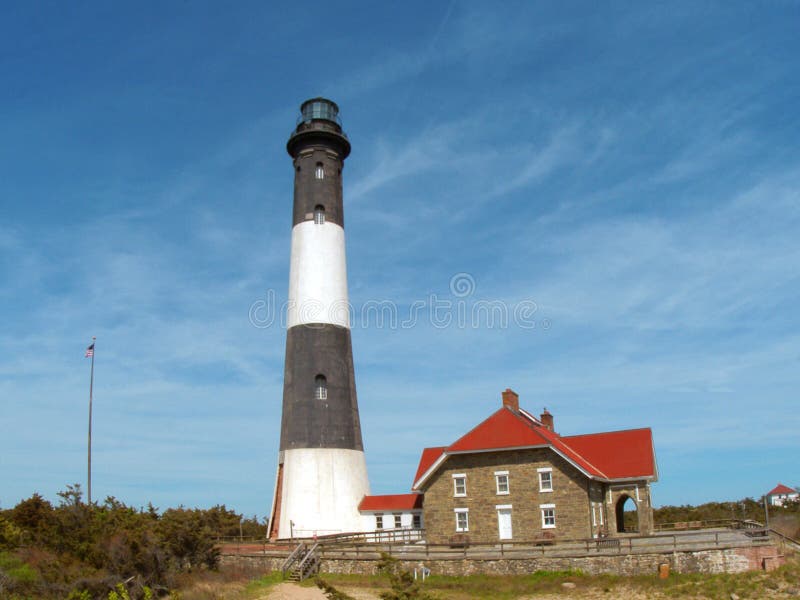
781, 489
503, 429
619, 454
429, 456
610, 455
391, 502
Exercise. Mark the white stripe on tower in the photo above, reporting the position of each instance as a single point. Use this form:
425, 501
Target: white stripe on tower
318, 275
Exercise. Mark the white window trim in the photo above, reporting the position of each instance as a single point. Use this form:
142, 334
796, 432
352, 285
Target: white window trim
545, 470
544, 507
597, 514
464, 511
503, 506
455, 489
497, 476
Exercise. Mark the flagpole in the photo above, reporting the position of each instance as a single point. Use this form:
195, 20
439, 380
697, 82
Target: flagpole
89, 466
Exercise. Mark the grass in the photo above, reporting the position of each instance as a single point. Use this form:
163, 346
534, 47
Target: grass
262, 585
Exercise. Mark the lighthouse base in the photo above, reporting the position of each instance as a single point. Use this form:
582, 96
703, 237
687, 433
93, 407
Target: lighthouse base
317, 492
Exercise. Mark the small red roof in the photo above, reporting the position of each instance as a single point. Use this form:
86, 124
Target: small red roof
610, 455
781, 489
391, 502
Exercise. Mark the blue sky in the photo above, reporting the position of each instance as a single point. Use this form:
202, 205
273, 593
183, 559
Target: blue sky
632, 170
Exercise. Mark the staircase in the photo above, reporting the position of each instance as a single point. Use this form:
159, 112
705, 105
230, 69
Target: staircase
302, 562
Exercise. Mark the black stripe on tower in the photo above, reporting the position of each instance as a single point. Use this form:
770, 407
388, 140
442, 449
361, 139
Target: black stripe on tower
319, 147
311, 190
309, 420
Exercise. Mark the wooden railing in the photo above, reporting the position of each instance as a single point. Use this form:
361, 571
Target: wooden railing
310, 562
410, 543
709, 524
656, 544
297, 554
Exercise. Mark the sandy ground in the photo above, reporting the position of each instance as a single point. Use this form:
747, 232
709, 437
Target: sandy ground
292, 591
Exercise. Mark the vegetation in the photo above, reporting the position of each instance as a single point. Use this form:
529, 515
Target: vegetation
111, 551
785, 519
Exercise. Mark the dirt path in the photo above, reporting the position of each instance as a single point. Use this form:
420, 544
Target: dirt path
292, 591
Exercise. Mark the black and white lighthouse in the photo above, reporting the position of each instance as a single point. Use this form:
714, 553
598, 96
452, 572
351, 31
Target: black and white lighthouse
322, 472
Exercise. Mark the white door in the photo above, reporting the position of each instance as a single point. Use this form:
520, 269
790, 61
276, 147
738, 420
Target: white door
504, 523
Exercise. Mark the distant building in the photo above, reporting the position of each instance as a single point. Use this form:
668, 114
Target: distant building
782, 494
513, 477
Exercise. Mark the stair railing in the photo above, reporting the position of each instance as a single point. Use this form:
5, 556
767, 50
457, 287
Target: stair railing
296, 555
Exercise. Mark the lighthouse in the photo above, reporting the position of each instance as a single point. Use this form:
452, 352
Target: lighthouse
322, 472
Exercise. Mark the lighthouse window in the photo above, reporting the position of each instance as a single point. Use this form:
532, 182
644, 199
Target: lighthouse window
320, 172
319, 214
320, 388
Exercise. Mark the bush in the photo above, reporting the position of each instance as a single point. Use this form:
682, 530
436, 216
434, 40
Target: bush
82, 551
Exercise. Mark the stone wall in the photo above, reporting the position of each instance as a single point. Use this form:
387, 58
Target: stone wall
728, 560
639, 493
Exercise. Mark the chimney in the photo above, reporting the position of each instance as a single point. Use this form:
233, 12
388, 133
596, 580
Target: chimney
511, 400
547, 419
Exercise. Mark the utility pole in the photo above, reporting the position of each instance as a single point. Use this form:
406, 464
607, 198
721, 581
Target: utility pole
90, 354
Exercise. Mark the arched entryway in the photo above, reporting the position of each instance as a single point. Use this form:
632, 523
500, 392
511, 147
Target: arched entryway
627, 513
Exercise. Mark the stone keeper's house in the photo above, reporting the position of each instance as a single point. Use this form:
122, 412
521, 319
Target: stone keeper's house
514, 478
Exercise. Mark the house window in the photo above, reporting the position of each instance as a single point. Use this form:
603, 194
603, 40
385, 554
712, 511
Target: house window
501, 480
320, 388
319, 173
379, 521
545, 479
416, 521
462, 519
597, 514
398, 521
319, 214
460, 485
548, 516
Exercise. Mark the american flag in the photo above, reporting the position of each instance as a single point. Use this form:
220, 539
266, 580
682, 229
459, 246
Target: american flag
90, 351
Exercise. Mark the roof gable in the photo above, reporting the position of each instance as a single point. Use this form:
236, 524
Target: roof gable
429, 456
501, 430
782, 489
